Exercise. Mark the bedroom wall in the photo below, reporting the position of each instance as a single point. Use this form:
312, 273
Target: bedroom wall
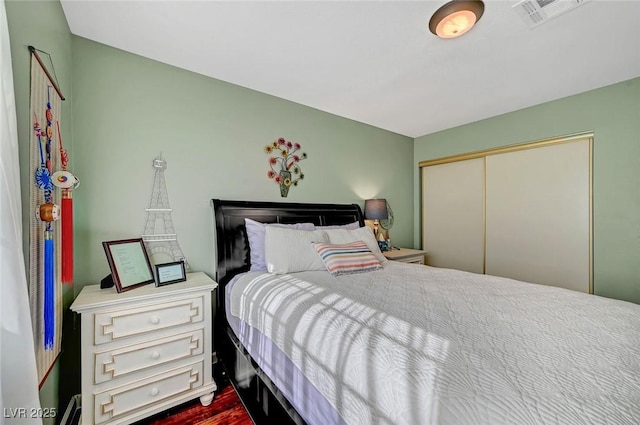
41, 24
129, 109
613, 114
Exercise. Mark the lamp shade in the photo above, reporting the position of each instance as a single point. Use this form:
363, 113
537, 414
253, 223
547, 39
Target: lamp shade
375, 209
456, 18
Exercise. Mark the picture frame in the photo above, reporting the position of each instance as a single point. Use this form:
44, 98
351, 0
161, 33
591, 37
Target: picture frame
168, 273
129, 263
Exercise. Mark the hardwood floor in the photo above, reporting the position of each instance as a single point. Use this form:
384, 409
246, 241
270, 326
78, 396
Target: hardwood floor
226, 409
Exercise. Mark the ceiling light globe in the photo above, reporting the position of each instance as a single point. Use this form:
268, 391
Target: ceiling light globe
456, 24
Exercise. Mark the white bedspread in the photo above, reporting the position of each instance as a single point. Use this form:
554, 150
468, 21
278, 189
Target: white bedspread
412, 344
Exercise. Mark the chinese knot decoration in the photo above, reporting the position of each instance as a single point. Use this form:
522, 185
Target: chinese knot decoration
284, 162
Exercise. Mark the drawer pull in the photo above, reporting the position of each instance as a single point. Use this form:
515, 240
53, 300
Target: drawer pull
154, 391
155, 320
155, 355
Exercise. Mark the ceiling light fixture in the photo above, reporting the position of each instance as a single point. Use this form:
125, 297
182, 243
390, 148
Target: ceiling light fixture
456, 18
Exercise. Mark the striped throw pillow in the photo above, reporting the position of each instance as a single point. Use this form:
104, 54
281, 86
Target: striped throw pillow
348, 258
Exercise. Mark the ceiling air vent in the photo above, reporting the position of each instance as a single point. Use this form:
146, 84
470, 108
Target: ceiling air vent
537, 12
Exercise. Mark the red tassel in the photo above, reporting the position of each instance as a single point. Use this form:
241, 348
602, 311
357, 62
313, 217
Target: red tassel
67, 237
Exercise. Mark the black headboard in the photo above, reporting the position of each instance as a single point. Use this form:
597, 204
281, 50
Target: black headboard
231, 237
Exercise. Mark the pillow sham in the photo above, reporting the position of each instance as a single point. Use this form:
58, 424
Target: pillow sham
255, 235
364, 234
349, 226
349, 258
290, 250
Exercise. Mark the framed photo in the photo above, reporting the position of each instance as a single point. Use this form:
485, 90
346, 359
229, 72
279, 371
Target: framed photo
168, 273
129, 263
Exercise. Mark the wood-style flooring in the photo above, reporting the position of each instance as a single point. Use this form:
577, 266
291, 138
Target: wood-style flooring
225, 409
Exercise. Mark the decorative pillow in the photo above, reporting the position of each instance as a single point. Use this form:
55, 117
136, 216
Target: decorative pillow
255, 234
364, 234
290, 250
349, 258
350, 226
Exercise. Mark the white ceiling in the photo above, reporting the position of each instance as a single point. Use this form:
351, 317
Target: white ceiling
376, 61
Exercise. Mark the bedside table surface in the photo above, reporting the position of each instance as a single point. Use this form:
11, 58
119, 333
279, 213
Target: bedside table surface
402, 253
92, 296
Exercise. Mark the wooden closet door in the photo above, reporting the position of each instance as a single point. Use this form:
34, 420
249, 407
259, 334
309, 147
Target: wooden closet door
538, 215
453, 215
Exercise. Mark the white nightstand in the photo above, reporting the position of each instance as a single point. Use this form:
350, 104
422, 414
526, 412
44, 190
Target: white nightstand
145, 350
406, 255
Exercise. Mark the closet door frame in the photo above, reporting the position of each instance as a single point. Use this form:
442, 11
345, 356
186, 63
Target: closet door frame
512, 148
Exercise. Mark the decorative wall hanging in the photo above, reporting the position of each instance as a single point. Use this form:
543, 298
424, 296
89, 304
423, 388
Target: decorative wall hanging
66, 182
45, 294
284, 162
159, 234
47, 212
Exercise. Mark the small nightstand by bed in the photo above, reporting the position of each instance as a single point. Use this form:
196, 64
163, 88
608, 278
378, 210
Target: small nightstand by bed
145, 350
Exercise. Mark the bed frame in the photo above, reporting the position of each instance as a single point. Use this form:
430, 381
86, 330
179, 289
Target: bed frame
262, 399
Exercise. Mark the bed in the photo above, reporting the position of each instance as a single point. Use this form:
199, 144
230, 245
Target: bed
412, 344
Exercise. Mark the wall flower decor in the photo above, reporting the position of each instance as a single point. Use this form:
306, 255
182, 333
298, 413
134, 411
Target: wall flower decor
284, 161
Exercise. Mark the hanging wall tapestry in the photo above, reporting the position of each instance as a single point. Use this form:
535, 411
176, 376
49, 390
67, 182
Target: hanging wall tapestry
284, 162
46, 249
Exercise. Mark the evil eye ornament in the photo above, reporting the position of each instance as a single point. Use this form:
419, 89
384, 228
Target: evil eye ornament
43, 179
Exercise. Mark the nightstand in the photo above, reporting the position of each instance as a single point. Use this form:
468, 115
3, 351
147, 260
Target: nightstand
145, 350
406, 255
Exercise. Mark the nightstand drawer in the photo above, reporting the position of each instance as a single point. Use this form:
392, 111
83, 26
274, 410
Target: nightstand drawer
120, 401
113, 364
113, 325
414, 260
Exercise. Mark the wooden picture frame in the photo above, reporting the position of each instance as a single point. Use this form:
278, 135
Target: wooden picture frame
168, 273
129, 263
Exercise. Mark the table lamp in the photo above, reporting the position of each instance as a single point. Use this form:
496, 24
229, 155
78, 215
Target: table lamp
375, 209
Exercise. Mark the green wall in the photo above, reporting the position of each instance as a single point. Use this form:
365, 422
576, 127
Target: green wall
128, 109
41, 24
613, 114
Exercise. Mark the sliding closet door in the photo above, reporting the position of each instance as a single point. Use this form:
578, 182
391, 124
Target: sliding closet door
538, 215
453, 214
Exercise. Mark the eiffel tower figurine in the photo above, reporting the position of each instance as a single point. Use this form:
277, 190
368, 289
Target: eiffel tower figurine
159, 235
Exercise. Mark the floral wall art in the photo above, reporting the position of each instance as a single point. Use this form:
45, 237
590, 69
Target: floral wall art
284, 163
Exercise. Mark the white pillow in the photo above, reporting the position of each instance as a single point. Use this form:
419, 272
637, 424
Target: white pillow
290, 250
255, 235
365, 234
